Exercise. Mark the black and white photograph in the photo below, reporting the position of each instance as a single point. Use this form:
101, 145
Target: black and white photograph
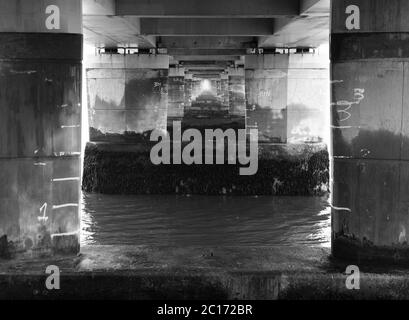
203, 156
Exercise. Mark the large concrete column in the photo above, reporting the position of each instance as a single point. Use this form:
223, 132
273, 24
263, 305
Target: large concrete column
237, 95
176, 94
266, 91
370, 69
127, 96
188, 90
288, 96
40, 124
224, 88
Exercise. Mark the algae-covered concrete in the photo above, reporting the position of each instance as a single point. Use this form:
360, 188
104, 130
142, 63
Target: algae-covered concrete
282, 170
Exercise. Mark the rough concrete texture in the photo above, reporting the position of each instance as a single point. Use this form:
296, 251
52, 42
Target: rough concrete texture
126, 100
370, 165
129, 272
287, 96
282, 170
40, 126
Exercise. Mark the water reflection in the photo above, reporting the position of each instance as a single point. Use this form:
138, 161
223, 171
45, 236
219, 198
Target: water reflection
205, 221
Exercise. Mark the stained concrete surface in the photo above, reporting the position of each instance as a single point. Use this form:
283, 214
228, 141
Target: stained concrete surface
131, 272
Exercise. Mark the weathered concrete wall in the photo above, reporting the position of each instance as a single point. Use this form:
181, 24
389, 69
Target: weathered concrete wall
176, 94
266, 90
127, 95
370, 64
40, 126
188, 90
224, 90
288, 96
237, 92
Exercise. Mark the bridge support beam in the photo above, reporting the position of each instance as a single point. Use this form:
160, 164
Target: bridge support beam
370, 116
40, 125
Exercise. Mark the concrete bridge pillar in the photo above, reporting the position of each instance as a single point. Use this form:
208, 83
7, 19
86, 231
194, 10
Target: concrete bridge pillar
224, 88
370, 117
176, 94
128, 96
188, 90
237, 94
40, 125
266, 91
288, 96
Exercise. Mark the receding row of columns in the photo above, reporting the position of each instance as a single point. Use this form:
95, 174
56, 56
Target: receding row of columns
40, 123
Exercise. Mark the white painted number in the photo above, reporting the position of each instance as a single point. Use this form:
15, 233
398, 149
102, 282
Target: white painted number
353, 21
53, 20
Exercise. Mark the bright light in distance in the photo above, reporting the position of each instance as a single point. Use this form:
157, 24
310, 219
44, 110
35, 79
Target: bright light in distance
205, 85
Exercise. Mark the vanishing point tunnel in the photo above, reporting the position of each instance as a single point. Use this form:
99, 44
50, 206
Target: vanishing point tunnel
229, 64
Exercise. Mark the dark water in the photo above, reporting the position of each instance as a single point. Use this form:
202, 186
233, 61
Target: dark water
205, 220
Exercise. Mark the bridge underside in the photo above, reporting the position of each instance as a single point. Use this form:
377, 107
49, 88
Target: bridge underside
230, 64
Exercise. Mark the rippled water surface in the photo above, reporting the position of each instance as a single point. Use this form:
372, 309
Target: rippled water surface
205, 220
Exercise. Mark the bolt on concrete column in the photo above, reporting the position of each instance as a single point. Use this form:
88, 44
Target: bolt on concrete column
40, 124
370, 116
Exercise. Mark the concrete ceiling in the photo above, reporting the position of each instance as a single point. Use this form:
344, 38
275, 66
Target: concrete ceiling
211, 24
206, 32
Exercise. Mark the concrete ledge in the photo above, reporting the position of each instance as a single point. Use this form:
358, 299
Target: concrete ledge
141, 273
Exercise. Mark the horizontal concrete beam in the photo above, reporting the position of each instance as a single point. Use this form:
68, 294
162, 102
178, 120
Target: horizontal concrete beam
207, 42
204, 63
208, 8
99, 7
315, 7
215, 76
309, 31
208, 71
115, 31
207, 52
207, 58
118, 61
207, 27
